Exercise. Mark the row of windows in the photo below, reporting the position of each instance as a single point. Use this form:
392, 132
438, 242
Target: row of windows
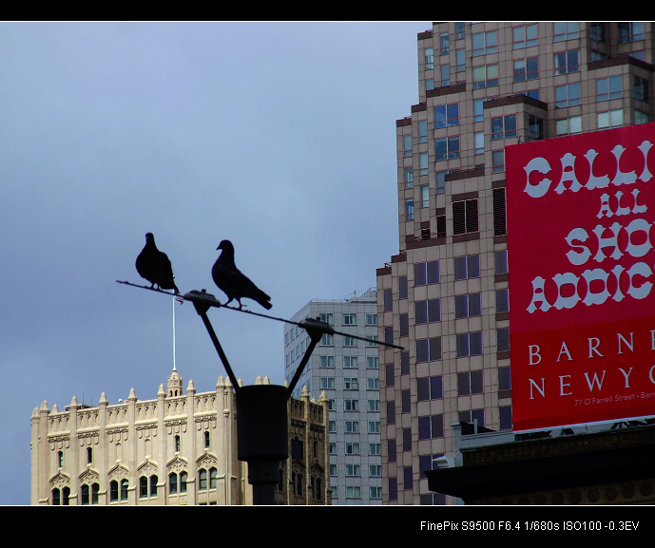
353, 426
148, 487
374, 449
354, 492
349, 383
348, 362
349, 404
354, 470
466, 267
347, 318
468, 305
527, 35
431, 388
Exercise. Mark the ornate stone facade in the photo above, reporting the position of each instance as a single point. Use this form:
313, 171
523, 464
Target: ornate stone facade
176, 449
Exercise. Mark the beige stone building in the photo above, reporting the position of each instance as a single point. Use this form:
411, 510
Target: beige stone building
179, 448
444, 295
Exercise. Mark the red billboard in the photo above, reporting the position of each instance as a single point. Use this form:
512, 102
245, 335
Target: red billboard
581, 251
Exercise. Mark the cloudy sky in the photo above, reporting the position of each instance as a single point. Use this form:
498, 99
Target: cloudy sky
278, 136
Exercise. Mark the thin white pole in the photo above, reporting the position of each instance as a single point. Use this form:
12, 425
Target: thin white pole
174, 364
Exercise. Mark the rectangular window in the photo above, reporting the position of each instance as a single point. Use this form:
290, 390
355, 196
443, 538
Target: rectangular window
429, 388
469, 344
502, 339
409, 210
465, 216
609, 88
567, 95
502, 301
327, 383
526, 69
566, 30
446, 115
503, 127
444, 43
427, 311
428, 350
430, 427
349, 319
612, 118
485, 76
567, 61
446, 148
485, 42
641, 89
524, 36
504, 378
426, 273
407, 145
469, 382
467, 267
630, 32
535, 127
500, 214
468, 305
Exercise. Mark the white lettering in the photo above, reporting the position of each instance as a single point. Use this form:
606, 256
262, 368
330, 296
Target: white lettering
638, 250
641, 292
564, 350
595, 381
606, 242
627, 376
645, 174
563, 385
581, 257
538, 295
535, 357
630, 344
562, 280
622, 178
568, 174
541, 390
595, 182
542, 166
594, 343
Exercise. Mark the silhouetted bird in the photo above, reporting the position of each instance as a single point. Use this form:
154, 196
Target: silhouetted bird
232, 282
154, 266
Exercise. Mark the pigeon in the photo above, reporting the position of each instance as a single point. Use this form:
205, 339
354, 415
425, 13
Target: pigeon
154, 266
232, 282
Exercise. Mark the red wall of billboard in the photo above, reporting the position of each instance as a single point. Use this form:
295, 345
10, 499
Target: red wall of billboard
581, 250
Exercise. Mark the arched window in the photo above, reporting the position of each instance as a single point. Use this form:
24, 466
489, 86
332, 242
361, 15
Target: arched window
85, 494
60, 459
56, 497
113, 491
66, 495
95, 491
153, 485
202, 479
172, 483
213, 475
177, 443
143, 487
207, 439
89, 455
280, 484
124, 486
183, 477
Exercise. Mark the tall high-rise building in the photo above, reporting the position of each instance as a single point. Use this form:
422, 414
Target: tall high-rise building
444, 296
345, 370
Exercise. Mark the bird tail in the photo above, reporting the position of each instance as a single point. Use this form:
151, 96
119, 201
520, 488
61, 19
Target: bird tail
263, 299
